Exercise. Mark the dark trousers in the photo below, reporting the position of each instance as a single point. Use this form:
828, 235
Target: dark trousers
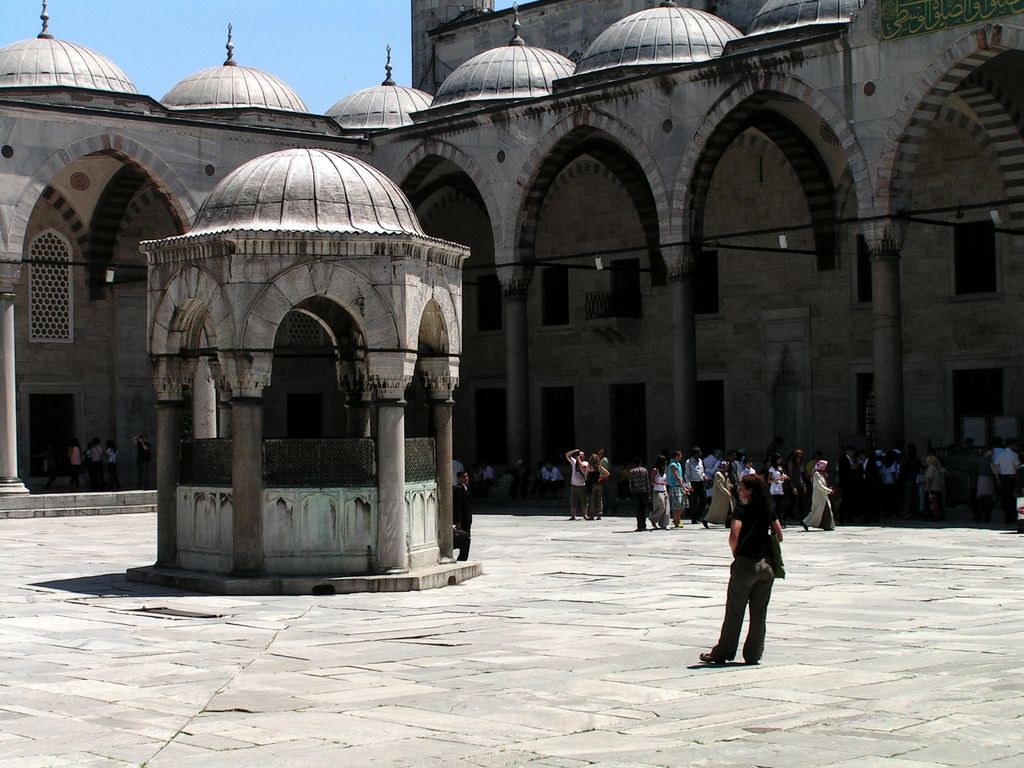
750, 582
798, 503
1008, 498
643, 504
698, 499
461, 541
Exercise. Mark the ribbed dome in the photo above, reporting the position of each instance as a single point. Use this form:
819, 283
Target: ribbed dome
307, 190
383, 106
514, 71
44, 61
786, 14
232, 87
664, 35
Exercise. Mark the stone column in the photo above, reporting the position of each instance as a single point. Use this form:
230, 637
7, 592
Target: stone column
10, 485
885, 241
440, 377
684, 347
222, 398
389, 375
246, 374
516, 288
204, 402
224, 415
169, 377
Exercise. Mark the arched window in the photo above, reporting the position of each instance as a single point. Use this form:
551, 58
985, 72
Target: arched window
50, 289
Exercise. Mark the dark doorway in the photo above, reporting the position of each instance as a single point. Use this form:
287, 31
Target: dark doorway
491, 428
305, 415
51, 425
711, 414
557, 422
628, 411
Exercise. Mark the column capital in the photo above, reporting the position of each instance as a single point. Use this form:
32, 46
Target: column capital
390, 373
884, 238
680, 261
244, 374
515, 281
171, 374
10, 272
439, 376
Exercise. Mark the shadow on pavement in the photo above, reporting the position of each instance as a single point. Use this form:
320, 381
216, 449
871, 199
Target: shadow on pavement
110, 585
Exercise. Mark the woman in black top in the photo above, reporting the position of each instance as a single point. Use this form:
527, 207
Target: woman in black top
750, 576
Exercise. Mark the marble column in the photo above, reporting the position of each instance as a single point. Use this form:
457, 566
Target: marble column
10, 484
224, 416
247, 485
884, 249
684, 350
389, 374
204, 402
170, 374
517, 366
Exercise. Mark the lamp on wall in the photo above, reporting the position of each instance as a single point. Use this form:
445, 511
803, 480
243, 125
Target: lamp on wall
109, 275
996, 218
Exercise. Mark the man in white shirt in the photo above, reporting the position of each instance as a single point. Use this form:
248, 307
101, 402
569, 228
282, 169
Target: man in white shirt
578, 483
1005, 467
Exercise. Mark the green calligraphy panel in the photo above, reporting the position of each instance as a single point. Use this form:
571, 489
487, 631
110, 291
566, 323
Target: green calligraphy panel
907, 18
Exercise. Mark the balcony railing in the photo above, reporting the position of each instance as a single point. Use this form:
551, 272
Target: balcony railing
607, 304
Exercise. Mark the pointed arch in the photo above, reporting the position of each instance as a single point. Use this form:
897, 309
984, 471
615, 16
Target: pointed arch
192, 304
418, 164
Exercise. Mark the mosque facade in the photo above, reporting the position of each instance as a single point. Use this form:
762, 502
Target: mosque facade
704, 223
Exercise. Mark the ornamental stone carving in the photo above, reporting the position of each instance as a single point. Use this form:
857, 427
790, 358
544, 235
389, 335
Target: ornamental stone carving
245, 374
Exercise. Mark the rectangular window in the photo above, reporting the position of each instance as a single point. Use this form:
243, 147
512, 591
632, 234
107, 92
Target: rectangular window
863, 270
710, 415
491, 426
705, 283
488, 303
557, 422
977, 392
625, 294
627, 409
974, 257
866, 406
554, 283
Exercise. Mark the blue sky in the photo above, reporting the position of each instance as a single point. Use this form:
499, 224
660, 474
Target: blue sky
324, 49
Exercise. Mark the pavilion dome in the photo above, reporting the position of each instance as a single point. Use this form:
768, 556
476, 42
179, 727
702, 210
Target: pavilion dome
387, 105
667, 34
307, 190
46, 61
513, 71
231, 86
776, 15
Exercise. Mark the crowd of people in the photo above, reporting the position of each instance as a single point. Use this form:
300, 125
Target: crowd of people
98, 460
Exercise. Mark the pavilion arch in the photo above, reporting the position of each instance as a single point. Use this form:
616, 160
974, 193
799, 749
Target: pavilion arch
134, 155
418, 165
611, 143
908, 127
443, 310
373, 314
433, 331
192, 304
732, 114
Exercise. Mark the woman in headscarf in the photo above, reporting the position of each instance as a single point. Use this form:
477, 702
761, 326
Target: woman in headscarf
722, 500
820, 515
750, 576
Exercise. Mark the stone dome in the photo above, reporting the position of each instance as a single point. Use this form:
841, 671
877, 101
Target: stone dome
233, 87
45, 61
786, 14
383, 106
513, 71
667, 34
307, 190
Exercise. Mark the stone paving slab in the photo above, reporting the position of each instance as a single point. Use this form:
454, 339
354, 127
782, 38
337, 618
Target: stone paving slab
895, 647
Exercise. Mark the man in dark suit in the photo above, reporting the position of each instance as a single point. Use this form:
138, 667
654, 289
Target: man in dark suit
462, 515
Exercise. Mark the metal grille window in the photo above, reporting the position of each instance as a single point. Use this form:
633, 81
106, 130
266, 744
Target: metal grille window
50, 289
304, 331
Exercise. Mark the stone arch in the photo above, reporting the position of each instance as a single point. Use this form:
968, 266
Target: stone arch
908, 126
133, 154
734, 108
613, 144
448, 313
418, 164
433, 330
373, 314
191, 304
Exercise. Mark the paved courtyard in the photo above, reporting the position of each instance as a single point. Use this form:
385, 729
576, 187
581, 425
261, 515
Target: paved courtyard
892, 647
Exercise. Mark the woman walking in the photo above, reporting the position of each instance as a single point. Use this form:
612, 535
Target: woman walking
722, 500
777, 478
659, 495
797, 486
820, 515
750, 576
75, 460
935, 487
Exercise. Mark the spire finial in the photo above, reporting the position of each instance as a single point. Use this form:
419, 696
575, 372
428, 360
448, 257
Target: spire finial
669, 4
230, 61
516, 39
45, 34
387, 70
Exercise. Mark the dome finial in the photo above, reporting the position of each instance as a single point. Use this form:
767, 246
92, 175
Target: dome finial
45, 34
230, 61
516, 39
669, 4
387, 70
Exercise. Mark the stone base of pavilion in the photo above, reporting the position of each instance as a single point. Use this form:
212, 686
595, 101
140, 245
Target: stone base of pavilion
433, 577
